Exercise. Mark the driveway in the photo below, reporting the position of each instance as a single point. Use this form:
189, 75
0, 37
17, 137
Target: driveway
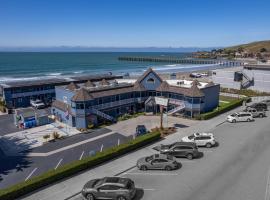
128, 127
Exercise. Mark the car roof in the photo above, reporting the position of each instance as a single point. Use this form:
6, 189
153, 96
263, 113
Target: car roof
203, 134
184, 144
115, 181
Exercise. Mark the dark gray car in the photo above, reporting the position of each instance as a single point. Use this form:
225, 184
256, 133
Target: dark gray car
158, 161
188, 150
109, 188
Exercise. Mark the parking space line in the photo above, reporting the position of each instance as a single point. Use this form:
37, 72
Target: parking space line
153, 174
30, 174
101, 148
267, 196
187, 161
149, 189
81, 155
207, 151
58, 163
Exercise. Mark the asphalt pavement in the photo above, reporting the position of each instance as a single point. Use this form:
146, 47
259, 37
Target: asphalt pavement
238, 168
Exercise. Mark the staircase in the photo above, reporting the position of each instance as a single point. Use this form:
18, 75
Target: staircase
246, 81
176, 109
149, 100
102, 114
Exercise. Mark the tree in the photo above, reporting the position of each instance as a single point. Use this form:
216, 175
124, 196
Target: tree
46, 137
240, 50
263, 50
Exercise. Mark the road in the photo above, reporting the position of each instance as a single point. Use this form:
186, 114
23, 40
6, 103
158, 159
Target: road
237, 169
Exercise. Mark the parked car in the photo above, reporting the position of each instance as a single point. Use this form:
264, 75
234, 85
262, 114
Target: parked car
109, 188
195, 75
255, 113
240, 117
140, 130
267, 102
188, 150
259, 106
201, 139
158, 161
38, 104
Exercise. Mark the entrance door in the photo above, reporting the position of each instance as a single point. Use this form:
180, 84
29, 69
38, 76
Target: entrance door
73, 122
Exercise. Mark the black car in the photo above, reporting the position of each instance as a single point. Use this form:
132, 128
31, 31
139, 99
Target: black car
259, 106
188, 150
115, 188
140, 130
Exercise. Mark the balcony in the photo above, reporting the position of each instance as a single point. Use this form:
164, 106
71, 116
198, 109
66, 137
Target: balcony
119, 103
25, 94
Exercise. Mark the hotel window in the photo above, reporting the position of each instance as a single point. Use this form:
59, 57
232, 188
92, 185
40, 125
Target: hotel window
150, 80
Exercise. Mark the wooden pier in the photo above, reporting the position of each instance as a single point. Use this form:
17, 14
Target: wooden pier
228, 63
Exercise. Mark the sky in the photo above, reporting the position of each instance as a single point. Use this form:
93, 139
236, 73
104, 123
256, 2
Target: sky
133, 23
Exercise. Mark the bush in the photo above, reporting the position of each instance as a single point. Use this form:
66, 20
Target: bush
223, 109
67, 170
129, 116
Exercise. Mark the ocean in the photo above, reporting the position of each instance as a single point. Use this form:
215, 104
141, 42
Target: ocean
34, 65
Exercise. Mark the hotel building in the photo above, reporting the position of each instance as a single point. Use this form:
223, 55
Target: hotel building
80, 105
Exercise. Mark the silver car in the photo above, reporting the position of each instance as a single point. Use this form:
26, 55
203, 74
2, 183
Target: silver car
158, 161
109, 188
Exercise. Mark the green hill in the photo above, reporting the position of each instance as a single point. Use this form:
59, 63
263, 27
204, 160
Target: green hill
254, 47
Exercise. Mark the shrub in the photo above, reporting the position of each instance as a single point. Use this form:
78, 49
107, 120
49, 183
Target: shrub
223, 109
67, 170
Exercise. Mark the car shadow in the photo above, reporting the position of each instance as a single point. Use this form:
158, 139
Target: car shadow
180, 126
200, 155
139, 194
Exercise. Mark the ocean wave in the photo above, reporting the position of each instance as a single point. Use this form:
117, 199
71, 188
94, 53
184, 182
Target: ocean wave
179, 67
54, 74
78, 72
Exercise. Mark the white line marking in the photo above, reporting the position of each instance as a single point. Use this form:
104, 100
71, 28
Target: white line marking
101, 148
30, 174
207, 151
149, 189
81, 155
58, 163
187, 161
267, 196
153, 174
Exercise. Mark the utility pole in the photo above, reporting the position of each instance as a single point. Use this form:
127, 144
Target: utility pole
161, 116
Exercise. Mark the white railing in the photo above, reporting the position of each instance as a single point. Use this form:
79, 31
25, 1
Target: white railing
117, 103
176, 109
24, 94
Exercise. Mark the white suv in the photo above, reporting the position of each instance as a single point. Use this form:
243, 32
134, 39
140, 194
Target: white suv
240, 117
38, 104
201, 139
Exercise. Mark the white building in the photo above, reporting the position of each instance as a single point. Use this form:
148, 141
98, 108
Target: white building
254, 77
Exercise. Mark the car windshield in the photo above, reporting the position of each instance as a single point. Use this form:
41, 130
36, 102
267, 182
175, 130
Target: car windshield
147, 159
191, 137
233, 115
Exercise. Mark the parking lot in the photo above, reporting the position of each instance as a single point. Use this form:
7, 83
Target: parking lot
20, 167
228, 171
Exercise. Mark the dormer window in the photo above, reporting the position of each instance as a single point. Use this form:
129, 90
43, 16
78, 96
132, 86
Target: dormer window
150, 80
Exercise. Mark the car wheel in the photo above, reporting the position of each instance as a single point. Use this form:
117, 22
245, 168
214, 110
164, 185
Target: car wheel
121, 198
234, 121
143, 167
248, 120
90, 197
190, 156
261, 115
208, 145
168, 168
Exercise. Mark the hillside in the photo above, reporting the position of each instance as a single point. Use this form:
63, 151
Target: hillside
254, 47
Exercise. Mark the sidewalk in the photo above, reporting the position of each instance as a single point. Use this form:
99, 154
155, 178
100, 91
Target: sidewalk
73, 185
